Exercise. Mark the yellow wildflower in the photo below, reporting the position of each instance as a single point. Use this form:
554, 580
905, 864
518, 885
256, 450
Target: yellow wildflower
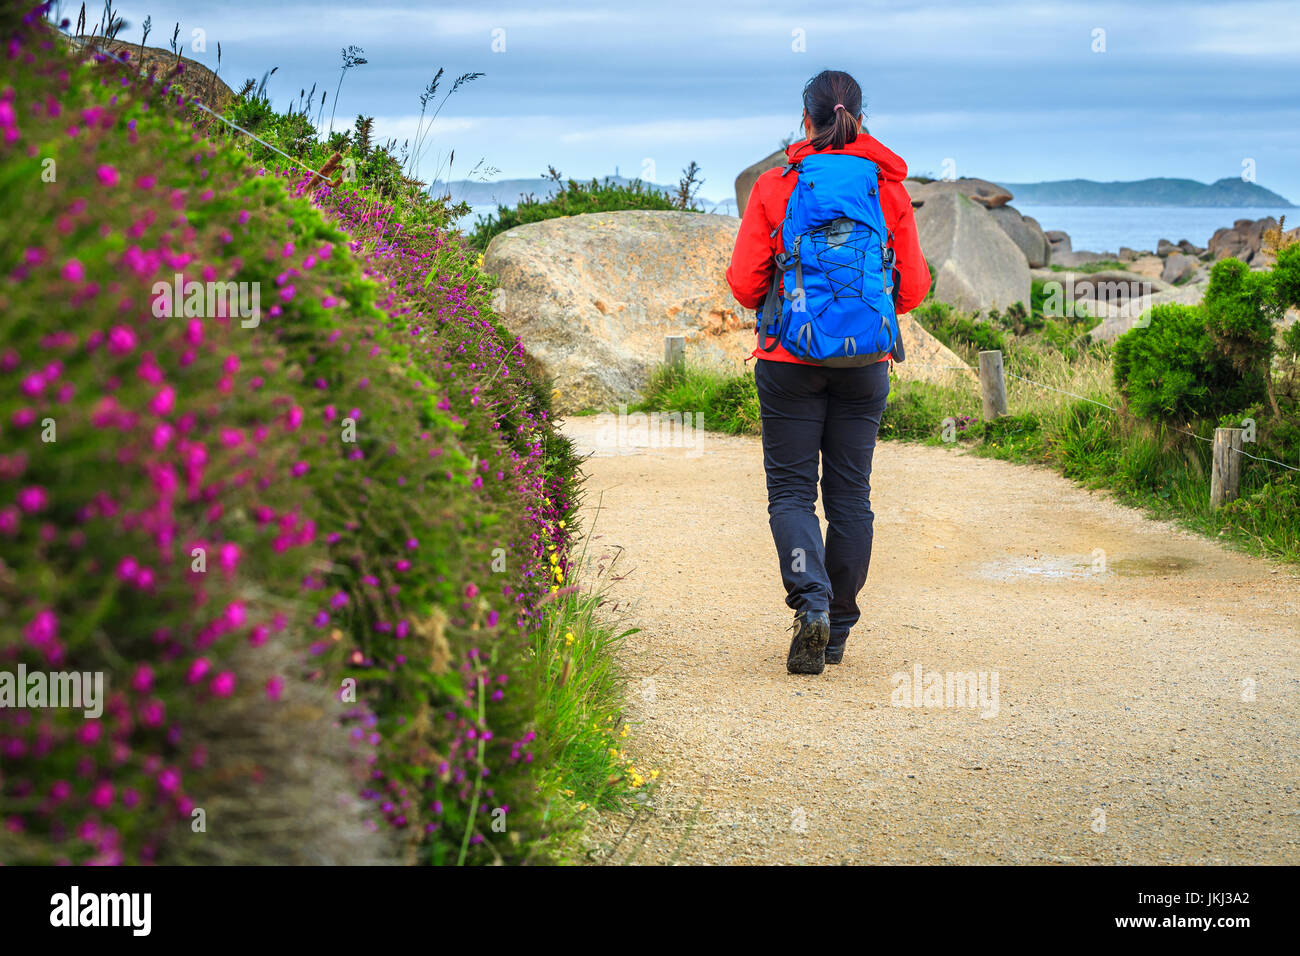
568, 638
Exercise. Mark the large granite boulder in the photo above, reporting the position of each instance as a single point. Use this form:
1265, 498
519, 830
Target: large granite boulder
592, 298
1244, 240
745, 181
927, 359
1179, 267
1103, 289
977, 266
1116, 297
1059, 241
1025, 233
1151, 266
197, 80
1082, 257
1115, 322
987, 194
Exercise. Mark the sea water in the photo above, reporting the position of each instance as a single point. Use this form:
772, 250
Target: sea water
1106, 228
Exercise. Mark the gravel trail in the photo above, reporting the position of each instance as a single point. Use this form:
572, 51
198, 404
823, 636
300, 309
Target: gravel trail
1148, 679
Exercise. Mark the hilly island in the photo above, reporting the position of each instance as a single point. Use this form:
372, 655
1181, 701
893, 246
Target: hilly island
1233, 192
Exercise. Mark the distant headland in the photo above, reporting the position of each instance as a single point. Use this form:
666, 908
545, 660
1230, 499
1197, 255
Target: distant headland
1149, 192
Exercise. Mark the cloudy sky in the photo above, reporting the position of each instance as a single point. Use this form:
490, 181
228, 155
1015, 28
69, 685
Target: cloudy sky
1016, 92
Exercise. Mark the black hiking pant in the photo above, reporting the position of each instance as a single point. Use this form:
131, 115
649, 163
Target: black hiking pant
810, 412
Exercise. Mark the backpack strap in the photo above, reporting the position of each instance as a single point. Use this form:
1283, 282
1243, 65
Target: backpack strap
775, 299
770, 308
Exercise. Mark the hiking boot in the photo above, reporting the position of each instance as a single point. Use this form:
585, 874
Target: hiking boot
835, 653
812, 629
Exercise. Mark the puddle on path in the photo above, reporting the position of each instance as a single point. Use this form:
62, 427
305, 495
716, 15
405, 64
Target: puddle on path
1156, 566
1077, 567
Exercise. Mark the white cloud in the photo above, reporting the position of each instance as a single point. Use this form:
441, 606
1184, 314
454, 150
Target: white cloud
650, 132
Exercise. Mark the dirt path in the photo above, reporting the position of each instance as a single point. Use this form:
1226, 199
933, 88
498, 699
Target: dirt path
1120, 692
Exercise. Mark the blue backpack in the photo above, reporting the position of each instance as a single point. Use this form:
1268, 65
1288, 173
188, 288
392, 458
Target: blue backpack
837, 306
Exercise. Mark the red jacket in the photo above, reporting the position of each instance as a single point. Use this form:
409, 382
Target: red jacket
751, 267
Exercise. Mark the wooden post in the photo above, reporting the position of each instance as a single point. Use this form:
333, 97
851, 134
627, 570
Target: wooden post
675, 351
993, 387
1225, 479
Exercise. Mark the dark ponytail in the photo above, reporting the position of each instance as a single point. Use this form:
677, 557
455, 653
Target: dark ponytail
832, 99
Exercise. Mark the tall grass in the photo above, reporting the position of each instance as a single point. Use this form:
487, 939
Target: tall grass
580, 693
729, 402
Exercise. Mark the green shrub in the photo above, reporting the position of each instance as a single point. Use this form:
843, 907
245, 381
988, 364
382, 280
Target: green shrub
917, 411
1013, 436
961, 333
1086, 446
1241, 307
1269, 512
1171, 371
1286, 275
572, 199
1106, 265
728, 401
1291, 339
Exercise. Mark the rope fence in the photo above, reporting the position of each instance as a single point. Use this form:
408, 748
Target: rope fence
195, 101
1227, 450
1085, 398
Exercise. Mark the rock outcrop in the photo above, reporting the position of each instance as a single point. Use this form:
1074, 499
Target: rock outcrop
1178, 267
592, 298
1064, 253
745, 181
1026, 233
1148, 265
1060, 241
1244, 240
977, 266
987, 194
193, 77
1118, 321
927, 359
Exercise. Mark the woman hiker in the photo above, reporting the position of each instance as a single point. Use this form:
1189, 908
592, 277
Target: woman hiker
828, 249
